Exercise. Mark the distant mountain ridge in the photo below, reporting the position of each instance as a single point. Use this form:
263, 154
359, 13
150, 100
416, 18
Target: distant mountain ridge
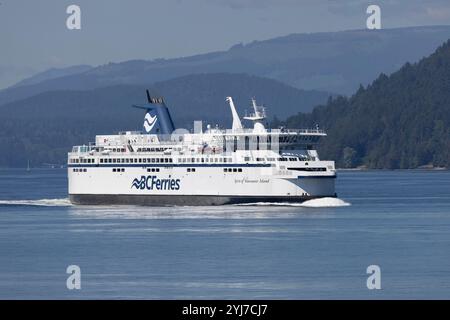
53, 73
43, 128
331, 61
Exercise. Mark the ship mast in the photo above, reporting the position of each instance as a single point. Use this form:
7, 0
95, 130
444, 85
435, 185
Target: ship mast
258, 115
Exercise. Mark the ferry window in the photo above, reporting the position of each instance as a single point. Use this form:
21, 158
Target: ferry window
292, 159
246, 158
110, 160
85, 170
259, 159
225, 170
157, 169
114, 169
114, 160
192, 159
170, 160
74, 170
140, 160
123, 160
203, 160
144, 160
166, 160
234, 170
101, 160
247, 143
193, 169
161, 160
224, 159
240, 170
123, 170
188, 169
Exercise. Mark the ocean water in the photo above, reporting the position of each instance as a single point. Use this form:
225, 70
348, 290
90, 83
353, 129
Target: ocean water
398, 220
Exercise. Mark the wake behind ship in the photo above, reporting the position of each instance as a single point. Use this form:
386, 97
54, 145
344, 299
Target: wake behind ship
163, 166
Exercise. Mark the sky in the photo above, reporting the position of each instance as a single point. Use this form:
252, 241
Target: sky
34, 36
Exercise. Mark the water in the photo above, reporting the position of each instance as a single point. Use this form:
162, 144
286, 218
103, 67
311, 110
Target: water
399, 220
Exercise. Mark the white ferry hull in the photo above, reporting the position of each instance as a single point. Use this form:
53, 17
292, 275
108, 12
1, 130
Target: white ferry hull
208, 185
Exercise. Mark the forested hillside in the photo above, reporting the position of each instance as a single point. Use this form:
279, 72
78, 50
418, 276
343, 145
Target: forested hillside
399, 121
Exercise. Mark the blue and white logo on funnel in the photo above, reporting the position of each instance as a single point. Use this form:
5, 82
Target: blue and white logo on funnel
149, 122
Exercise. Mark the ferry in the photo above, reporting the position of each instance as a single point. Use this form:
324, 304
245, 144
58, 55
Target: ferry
164, 166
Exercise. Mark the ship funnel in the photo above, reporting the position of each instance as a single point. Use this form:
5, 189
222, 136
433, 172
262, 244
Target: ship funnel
157, 117
237, 125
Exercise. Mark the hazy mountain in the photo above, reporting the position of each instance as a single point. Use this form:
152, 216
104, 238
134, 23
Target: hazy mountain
331, 61
399, 121
43, 128
52, 74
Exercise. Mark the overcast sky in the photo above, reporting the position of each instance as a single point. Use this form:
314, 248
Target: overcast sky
34, 36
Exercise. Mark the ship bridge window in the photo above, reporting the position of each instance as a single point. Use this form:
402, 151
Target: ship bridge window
270, 159
259, 159
152, 169
292, 159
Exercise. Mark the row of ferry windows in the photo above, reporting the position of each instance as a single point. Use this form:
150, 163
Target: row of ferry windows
232, 170
137, 160
170, 160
